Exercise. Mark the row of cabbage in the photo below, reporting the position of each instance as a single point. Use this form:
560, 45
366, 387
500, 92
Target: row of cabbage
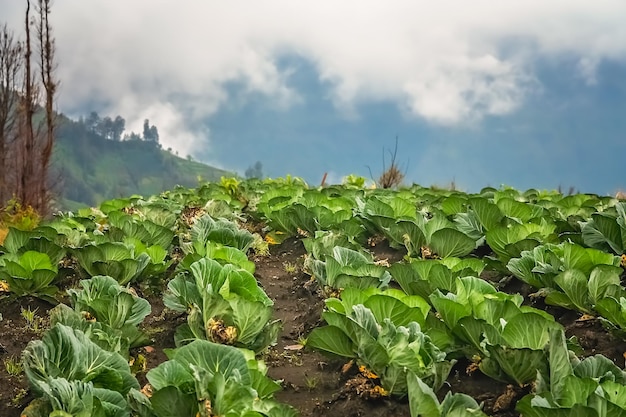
80, 367
566, 247
571, 249
409, 338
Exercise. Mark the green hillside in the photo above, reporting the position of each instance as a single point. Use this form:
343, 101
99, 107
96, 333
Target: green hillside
88, 169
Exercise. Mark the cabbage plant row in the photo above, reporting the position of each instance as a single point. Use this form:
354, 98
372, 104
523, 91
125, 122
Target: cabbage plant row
80, 367
406, 323
568, 248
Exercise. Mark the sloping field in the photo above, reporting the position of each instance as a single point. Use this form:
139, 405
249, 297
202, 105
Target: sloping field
275, 299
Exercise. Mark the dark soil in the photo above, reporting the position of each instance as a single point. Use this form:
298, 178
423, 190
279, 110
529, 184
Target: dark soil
15, 333
313, 384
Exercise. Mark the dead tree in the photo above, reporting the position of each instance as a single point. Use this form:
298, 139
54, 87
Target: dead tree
27, 184
10, 70
46, 70
391, 177
27, 157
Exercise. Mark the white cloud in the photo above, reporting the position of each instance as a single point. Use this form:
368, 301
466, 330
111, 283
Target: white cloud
174, 131
587, 68
446, 62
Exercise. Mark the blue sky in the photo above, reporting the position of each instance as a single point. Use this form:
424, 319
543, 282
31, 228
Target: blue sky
528, 94
570, 134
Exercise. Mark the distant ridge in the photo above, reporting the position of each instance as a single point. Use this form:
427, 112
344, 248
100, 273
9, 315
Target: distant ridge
88, 169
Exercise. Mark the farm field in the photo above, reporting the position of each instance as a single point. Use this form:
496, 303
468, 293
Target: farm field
272, 298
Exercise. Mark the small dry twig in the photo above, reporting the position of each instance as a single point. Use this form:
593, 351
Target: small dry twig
392, 176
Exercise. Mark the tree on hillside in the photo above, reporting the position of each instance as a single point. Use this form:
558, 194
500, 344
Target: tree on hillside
132, 137
112, 129
105, 128
255, 171
150, 133
118, 127
92, 121
108, 128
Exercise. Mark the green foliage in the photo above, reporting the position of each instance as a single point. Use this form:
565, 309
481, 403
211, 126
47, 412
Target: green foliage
159, 261
63, 398
612, 308
212, 250
30, 273
230, 185
224, 304
507, 337
221, 231
67, 353
511, 240
15, 215
34, 322
539, 266
592, 387
113, 259
564, 246
423, 276
294, 210
354, 181
286, 180
99, 333
12, 366
42, 239
141, 229
441, 236
95, 169
379, 212
398, 220
383, 331
322, 243
204, 377
423, 402
607, 230
348, 268
106, 301
570, 276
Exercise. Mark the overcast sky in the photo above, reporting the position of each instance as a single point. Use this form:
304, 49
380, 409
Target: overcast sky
480, 92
